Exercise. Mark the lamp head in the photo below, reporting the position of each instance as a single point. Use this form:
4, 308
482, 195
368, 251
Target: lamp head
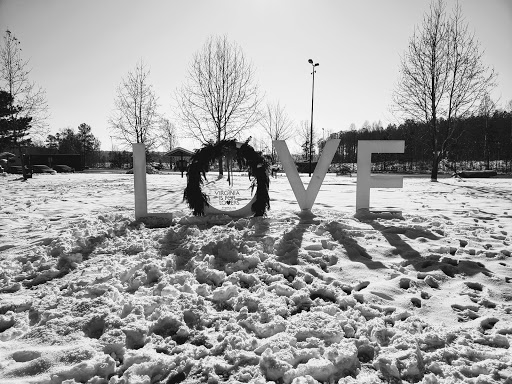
316, 65
310, 61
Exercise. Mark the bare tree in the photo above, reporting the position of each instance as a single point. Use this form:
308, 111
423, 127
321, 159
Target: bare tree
442, 76
168, 135
508, 106
276, 124
135, 117
220, 99
260, 143
304, 138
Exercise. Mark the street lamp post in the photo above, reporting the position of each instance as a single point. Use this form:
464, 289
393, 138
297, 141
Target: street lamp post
310, 61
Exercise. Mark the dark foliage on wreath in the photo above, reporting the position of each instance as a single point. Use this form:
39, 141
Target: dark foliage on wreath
247, 159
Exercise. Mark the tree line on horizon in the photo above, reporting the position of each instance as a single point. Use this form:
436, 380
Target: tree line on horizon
480, 141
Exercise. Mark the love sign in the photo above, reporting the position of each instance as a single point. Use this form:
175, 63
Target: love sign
305, 197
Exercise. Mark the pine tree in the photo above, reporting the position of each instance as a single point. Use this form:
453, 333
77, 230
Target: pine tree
13, 130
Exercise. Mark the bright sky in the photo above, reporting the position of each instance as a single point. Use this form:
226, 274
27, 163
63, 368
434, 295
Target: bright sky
80, 50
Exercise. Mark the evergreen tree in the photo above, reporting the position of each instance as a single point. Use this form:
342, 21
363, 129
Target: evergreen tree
69, 141
13, 130
5, 112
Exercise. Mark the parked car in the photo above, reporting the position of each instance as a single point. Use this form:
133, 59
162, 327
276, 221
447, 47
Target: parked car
158, 166
15, 169
61, 168
43, 169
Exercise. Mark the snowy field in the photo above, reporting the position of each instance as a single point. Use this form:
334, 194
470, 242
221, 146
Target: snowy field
89, 295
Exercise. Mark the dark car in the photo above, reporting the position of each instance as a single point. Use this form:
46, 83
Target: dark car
43, 169
16, 169
61, 168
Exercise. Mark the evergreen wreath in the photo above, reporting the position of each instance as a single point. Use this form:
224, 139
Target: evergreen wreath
246, 158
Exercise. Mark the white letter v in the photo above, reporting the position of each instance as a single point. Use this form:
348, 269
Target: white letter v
306, 198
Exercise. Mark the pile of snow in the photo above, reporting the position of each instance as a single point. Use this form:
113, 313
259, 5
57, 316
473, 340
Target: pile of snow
88, 294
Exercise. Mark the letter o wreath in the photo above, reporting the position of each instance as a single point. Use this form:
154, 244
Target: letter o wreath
247, 158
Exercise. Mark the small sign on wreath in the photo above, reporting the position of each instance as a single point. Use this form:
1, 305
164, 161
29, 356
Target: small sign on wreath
247, 159
227, 197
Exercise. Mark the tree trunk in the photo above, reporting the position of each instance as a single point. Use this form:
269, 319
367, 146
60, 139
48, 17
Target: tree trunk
22, 158
221, 167
435, 167
230, 171
487, 150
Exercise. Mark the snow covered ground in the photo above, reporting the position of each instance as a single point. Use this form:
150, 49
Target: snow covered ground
88, 294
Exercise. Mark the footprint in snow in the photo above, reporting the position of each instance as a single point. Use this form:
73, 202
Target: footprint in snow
466, 312
416, 302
